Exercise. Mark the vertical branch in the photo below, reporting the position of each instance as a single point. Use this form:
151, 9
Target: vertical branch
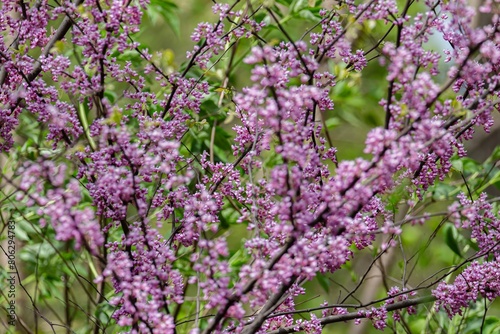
390, 89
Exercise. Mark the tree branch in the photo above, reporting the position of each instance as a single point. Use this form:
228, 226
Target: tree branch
355, 315
59, 34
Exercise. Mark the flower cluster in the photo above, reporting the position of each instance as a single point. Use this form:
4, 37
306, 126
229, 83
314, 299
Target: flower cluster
476, 281
141, 183
58, 203
480, 278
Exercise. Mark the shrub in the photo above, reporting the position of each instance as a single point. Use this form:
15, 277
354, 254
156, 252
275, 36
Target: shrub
149, 196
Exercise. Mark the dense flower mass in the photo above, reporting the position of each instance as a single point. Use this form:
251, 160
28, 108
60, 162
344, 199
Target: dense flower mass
209, 202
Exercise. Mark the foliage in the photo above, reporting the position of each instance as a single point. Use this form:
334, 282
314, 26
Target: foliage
215, 194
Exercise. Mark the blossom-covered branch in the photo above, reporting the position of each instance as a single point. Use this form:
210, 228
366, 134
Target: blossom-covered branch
218, 189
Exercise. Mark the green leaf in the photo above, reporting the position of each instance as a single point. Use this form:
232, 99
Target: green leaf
128, 55
111, 96
472, 243
238, 259
417, 325
103, 312
323, 281
308, 15
451, 237
458, 165
224, 224
298, 5
395, 198
471, 166
22, 235
332, 122
273, 160
209, 108
491, 325
442, 191
167, 10
495, 155
284, 2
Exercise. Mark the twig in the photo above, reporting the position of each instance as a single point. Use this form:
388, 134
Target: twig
356, 315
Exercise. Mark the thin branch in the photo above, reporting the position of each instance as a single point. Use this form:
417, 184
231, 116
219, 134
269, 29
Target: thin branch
356, 315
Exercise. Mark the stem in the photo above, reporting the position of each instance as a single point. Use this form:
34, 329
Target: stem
355, 315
